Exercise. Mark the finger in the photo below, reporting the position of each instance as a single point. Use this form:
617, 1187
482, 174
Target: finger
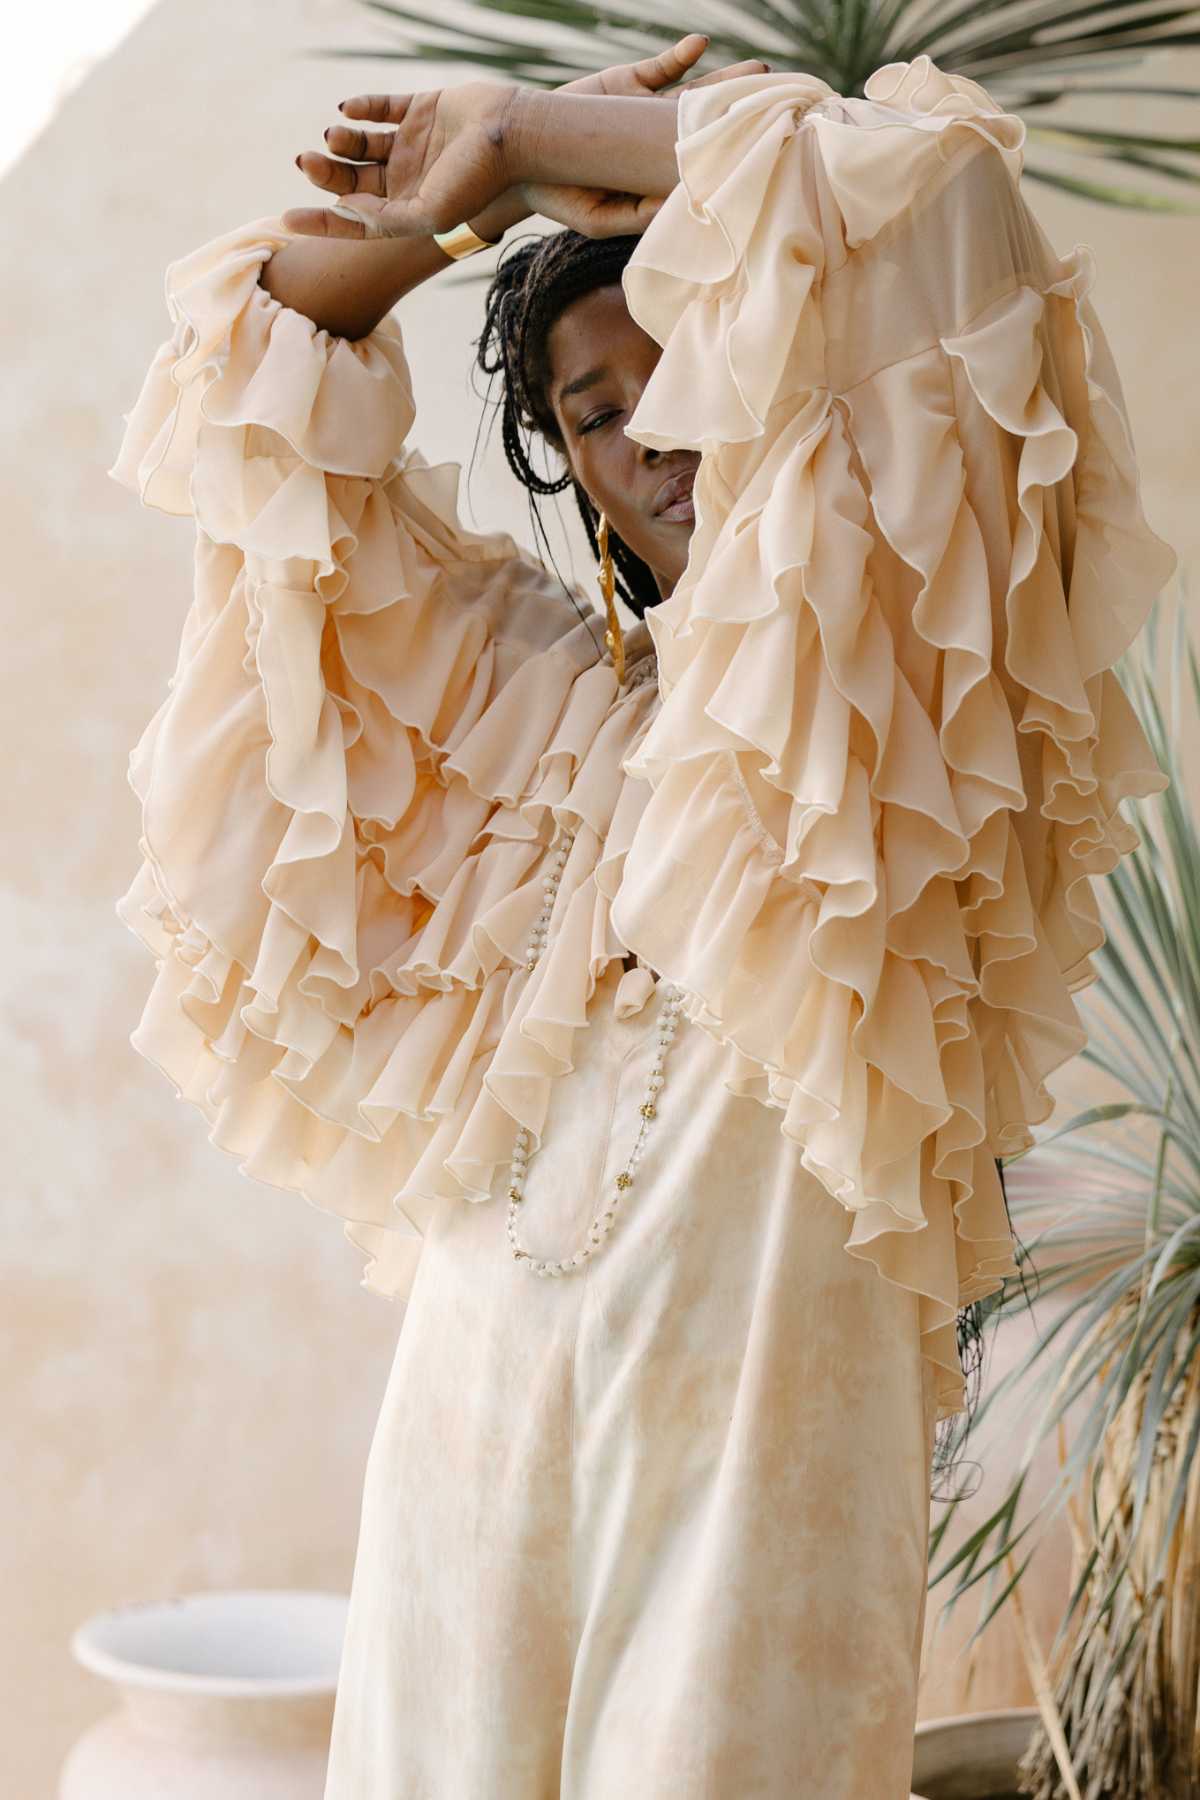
381, 109
754, 66
620, 215
357, 218
659, 71
365, 212
317, 221
342, 178
629, 224
359, 146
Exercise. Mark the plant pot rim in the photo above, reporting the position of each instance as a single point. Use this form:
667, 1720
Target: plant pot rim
985, 1744
926, 1727
107, 1643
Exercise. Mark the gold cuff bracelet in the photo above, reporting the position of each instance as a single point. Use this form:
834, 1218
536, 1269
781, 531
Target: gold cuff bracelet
461, 241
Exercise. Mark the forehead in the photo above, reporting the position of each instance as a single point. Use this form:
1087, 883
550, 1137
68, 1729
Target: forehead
596, 329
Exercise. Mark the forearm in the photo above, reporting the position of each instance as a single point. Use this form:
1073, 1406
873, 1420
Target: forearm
615, 143
604, 141
346, 287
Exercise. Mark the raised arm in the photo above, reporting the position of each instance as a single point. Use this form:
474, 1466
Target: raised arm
560, 166
346, 287
455, 152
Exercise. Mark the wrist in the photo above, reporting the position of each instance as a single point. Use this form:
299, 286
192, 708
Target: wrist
500, 215
519, 134
621, 143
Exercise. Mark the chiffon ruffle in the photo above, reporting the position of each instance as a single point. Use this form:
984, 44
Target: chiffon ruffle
361, 683
856, 816
919, 549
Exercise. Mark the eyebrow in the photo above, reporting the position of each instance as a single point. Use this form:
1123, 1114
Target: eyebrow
583, 381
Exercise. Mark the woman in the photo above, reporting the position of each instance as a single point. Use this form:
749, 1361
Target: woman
457, 897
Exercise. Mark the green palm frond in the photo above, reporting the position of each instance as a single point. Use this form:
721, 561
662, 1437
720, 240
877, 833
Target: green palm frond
1119, 1183
1031, 55
1110, 1212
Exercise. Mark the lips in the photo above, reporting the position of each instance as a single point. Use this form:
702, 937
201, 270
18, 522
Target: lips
677, 488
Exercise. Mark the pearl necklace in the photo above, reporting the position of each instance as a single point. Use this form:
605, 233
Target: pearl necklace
672, 1000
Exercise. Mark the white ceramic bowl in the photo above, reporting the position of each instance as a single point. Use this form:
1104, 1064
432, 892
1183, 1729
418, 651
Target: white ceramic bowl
248, 1641
973, 1756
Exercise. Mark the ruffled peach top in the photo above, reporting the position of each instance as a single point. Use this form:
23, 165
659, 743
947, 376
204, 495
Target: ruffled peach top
855, 816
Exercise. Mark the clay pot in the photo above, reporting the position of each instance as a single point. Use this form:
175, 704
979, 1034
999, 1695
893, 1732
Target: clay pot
224, 1696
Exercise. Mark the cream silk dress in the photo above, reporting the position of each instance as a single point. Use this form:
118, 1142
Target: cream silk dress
658, 1527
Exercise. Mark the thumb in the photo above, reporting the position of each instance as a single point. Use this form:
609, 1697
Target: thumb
362, 210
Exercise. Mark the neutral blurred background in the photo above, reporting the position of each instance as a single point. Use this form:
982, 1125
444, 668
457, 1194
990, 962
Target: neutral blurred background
190, 1370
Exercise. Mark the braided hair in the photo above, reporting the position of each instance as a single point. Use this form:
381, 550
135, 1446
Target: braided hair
534, 282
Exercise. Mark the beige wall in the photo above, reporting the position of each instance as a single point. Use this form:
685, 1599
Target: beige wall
190, 1370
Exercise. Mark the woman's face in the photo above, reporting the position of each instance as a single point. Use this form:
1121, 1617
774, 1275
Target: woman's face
600, 360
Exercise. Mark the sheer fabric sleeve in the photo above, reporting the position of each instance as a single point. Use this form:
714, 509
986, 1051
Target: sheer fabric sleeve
891, 747
361, 682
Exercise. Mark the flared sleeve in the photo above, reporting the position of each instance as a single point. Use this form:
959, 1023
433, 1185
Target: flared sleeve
891, 747
361, 685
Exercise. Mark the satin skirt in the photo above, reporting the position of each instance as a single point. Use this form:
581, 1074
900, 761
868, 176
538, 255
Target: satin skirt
657, 1529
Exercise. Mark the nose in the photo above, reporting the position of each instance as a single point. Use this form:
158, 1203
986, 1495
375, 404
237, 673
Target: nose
650, 458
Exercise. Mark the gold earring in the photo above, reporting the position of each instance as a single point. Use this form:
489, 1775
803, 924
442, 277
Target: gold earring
613, 640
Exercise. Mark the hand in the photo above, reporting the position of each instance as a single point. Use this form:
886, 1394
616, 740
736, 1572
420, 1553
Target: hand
450, 142
444, 162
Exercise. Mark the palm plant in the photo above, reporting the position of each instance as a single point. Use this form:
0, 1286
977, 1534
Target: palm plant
1031, 55
1116, 1191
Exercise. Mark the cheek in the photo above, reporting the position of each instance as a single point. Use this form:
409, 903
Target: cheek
603, 463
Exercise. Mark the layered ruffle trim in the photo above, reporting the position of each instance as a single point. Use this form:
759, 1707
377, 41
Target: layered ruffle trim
891, 655
236, 358
376, 1103
337, 880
